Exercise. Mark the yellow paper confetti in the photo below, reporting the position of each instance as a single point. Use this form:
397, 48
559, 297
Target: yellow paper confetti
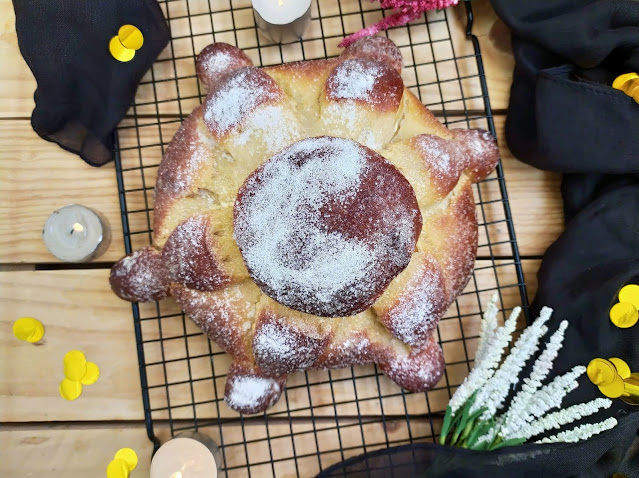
119, 51
601, 372
624, 315
75, 365
129, 456
629, 84
131, 37
623, 80
630, 293
28, 329
614, 389
117, 469
70, 389
622, 367
92, 374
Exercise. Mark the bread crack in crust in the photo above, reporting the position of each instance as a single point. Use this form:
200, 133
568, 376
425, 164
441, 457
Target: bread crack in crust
313, 215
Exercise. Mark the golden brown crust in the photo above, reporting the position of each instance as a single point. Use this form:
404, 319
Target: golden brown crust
218, 60
250, 115
370, 83
140, 276
376, 48
191, 256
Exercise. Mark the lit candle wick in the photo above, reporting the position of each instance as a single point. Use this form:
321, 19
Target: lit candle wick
77, 227
177, 474
280, 3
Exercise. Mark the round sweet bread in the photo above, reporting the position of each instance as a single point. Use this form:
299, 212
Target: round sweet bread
313, 215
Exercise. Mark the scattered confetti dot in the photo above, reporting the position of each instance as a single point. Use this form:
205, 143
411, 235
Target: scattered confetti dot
630, 293
92, 374
615, 389
28, 329
624, 315
601, 372
621, 80
622, 367
119, 51
70, 389
131, 37
75, 365
129, 456
117, 469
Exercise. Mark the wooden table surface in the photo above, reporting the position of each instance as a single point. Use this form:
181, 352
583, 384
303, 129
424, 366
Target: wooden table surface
43, 435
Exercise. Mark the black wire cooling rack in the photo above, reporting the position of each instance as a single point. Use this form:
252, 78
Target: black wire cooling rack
324, 416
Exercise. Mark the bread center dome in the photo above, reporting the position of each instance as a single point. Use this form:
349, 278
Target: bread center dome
325, 225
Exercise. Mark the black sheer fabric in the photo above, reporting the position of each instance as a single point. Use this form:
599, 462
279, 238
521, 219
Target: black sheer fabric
599, 457
83, 92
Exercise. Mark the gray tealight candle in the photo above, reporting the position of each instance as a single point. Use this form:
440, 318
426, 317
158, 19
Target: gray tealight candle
76, 234
283, 21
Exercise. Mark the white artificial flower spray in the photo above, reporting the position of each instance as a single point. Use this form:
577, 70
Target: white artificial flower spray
475, 417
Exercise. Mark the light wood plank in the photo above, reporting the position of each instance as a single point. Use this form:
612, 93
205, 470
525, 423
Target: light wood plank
38, 177
535, 200
496, 50
78, 311
265, 449
18, 84
69, 452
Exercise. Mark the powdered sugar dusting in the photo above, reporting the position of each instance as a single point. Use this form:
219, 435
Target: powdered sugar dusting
248, 391
273, 125
140, 276
218, 62
352, 351
283, 236
417, 311
443, 158
236, 97
278, 348
417, 371
189, 259
354, 79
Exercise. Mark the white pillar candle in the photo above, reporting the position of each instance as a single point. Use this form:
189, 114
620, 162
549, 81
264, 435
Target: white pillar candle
283, 21
76, 234
183, 458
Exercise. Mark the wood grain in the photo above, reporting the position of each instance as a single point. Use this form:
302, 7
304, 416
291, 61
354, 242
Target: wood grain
80, 312
38, 177
263, 448
496, 52
18, 83
535, 200
70, 451
432, 62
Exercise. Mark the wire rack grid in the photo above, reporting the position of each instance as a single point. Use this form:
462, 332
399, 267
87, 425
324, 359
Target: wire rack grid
324, 416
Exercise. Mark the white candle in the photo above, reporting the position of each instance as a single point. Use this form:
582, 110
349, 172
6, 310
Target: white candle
283, 21
76, 234
183, 458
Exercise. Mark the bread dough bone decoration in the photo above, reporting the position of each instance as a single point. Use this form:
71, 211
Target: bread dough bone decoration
313, 215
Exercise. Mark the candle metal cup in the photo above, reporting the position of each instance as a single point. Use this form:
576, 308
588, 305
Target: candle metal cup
282, 21
76, 233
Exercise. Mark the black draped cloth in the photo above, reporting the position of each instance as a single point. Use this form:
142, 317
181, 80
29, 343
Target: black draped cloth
83, 92
564, 116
